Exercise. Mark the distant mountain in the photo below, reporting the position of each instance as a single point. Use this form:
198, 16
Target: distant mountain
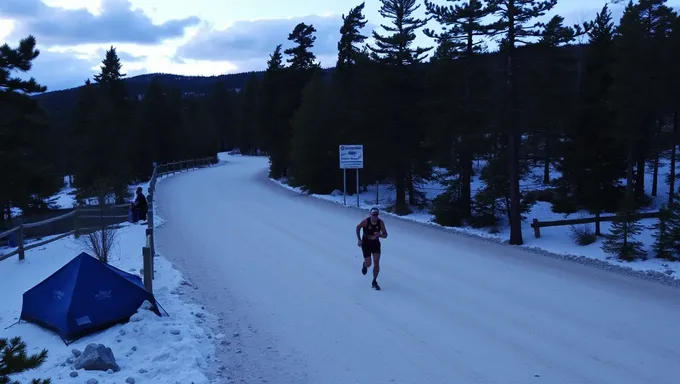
63, 101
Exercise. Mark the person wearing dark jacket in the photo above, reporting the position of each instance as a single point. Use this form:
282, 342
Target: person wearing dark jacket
140, 206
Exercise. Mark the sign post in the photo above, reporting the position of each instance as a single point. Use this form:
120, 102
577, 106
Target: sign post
351, 157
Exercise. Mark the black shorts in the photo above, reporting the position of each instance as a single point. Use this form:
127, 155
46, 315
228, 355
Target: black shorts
369, 247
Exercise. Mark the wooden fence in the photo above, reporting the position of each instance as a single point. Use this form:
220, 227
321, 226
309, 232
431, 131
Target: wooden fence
149, 249
79, 221
537, 225
89, 219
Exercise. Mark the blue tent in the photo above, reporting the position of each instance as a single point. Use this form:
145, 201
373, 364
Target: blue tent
84, 296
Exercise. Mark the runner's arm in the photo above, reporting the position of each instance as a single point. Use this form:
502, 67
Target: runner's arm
359, 226
383, 230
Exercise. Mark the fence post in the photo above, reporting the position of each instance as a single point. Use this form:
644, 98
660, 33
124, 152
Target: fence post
148, 269
152, 249
20, 240
537, 229
76, 230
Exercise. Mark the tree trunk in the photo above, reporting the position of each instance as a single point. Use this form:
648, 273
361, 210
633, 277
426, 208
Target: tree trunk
411, 188
546, 161
629, 169
671, 184
466, 183
655, 173
640, 177
400, 206
514, 140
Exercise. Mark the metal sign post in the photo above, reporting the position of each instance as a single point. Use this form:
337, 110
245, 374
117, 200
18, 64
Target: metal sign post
351, 157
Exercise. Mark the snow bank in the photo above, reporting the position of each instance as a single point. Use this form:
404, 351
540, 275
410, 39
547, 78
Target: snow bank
149, 349
556, 241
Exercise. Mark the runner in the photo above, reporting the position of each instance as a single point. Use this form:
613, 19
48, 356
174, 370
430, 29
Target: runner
374, 229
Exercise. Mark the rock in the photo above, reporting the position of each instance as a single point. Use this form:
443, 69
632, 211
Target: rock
174, 331
130, 380
76, 352
70, 360
142, 370
73, 374
92, 381
134, 348
97, 357
235, 334
122, 332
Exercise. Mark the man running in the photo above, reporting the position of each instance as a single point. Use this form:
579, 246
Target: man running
374, 229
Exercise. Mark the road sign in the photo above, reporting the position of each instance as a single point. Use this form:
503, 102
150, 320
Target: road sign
351, 156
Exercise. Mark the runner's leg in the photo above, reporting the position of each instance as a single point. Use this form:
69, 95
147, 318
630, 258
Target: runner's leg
366, 250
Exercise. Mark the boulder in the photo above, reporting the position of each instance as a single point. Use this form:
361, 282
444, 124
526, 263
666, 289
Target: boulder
96, 357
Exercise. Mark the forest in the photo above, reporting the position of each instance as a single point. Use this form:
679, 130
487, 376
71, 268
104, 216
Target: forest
596, 102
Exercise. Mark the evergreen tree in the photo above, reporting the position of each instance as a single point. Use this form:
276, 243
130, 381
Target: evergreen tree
272, 118
593, 161
350, 35
108, 136
462, 24
14, 359
248, 128
630, 89
663, 246
400, 108
351, 96
312, 155
516, 23
302, 65
28, 175
555, 90
301, 56
621, 239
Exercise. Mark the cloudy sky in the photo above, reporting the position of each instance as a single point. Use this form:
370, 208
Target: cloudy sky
196, 37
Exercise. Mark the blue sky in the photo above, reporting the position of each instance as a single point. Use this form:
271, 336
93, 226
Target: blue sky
196, 37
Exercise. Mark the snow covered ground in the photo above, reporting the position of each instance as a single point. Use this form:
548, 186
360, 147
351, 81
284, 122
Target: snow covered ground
282, 273
148, 349
556, 240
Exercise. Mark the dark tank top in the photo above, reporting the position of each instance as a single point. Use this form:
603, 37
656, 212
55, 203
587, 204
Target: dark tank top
372, 229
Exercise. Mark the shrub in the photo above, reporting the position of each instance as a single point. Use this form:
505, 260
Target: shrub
583, 234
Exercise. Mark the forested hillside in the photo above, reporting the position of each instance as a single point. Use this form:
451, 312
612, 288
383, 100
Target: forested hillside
594, 105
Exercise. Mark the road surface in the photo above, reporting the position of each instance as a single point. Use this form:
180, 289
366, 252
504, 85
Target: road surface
283, 270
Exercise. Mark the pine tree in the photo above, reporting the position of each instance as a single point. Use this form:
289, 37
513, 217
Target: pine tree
395, 49
400, 108
516, 23
301, 55
272, 120
350, 94
248, 128
663, 235
592, 163
14, 359
624, 228
350, 35
312, 154
28, 174
462, 23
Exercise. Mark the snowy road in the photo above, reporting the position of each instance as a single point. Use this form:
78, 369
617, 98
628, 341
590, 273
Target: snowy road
284, 270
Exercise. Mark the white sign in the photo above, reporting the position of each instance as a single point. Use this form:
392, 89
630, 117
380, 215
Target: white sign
351, 156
